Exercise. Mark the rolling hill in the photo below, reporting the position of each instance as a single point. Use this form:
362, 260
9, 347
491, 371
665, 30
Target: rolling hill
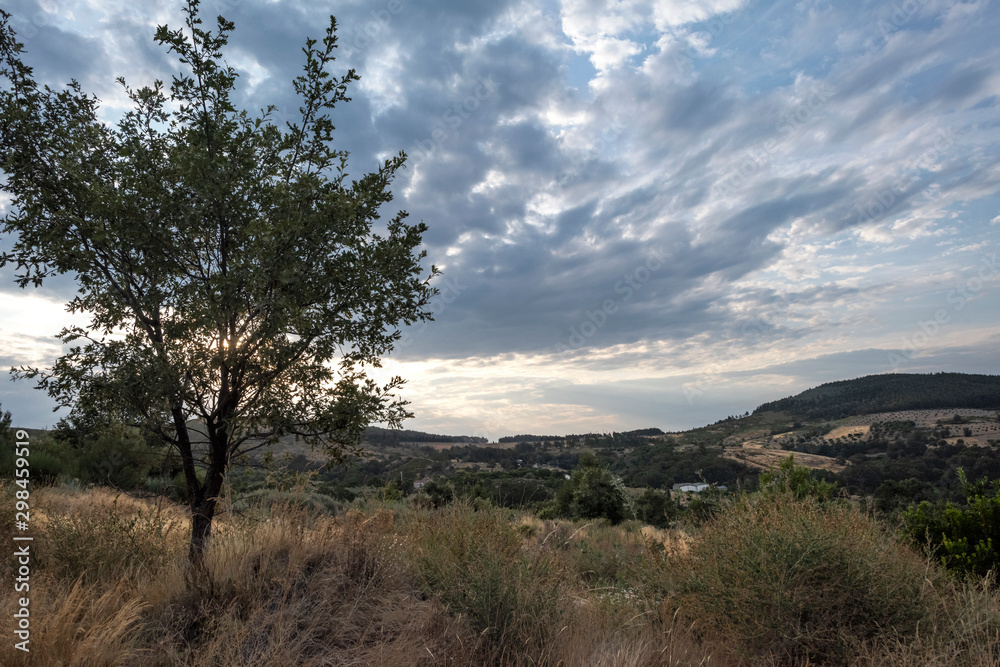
889, 393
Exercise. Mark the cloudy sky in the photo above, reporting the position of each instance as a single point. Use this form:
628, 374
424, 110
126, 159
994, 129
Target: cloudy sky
647, 213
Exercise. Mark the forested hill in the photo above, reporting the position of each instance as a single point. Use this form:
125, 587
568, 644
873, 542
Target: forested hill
385, 436
894, 391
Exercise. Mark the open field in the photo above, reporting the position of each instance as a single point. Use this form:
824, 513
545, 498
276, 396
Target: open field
925, 418
861, 430
761, 458
448, 445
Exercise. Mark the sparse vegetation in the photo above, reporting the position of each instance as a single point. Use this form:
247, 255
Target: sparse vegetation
543, 552
771, 579
793, 580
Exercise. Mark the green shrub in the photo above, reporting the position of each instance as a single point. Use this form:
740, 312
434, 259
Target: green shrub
656, 508
117, 456
439, 493
391, 492
593, 492
966, 538
50, 460
797, 480
797, 580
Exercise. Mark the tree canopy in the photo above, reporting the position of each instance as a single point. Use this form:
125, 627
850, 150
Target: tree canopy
238, 283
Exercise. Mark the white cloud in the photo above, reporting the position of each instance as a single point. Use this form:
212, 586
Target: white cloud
252, 72
609, 53
385, 73
670, 13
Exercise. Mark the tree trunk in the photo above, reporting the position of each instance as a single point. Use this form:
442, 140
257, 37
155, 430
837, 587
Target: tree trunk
201, 528
204, 503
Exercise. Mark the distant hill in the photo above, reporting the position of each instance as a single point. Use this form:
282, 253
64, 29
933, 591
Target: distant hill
889, 392
385, 436
576, 436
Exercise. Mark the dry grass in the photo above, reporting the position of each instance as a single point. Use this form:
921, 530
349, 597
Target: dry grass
301, 589
675, 542
963, 630
76, 627
288, 588
393, 585
762, 458
797, 581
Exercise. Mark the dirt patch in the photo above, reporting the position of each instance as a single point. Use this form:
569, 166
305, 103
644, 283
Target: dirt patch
846, 431
448, 445
768, 459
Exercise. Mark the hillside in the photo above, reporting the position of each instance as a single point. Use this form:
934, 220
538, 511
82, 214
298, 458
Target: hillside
842, 429
538, 550
890, 393
384, 436
828, 428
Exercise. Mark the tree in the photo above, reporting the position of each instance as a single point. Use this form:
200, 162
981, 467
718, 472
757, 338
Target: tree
593, 492
799, 481
237, 286
6, 444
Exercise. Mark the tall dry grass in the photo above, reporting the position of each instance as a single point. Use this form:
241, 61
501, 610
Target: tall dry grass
788, 582
289, 586
75, 625
783, 582
304, 589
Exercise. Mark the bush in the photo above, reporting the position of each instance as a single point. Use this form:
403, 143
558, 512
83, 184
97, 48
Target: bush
96, 451
967, 537
797, 580
797, 480
177, 489
439, 493
51, 461
473, 562
118, 456
656, 508
593, 493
